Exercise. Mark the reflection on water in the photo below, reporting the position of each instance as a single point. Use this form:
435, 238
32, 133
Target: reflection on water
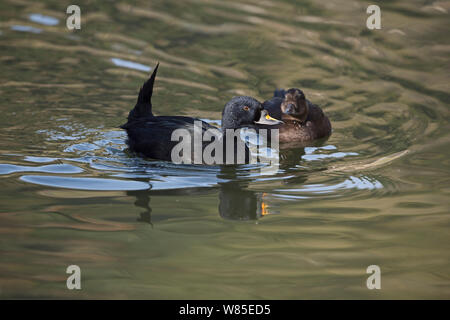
42, 19
130, 65
26, 29
376, 192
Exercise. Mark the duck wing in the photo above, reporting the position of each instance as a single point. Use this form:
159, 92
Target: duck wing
152, 137
317, 122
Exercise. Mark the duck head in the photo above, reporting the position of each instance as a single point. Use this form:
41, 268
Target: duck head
245, 111
294, 105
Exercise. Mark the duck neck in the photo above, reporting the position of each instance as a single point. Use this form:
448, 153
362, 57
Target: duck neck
228, 123
235, 126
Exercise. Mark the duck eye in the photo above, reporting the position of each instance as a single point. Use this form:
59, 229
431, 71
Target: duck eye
246, 108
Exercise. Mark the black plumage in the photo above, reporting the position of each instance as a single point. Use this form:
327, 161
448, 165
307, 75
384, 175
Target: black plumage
151, 136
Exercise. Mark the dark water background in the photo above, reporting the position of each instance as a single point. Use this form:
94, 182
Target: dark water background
377, 192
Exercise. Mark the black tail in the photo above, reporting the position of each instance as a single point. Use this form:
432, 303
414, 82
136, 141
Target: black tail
145, 94
143, 106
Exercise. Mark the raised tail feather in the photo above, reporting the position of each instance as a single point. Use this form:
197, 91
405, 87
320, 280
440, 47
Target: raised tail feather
143, 106
145, 94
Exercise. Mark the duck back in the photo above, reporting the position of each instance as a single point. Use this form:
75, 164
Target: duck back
317, 126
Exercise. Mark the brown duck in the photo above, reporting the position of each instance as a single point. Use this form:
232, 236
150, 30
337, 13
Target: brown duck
303, 120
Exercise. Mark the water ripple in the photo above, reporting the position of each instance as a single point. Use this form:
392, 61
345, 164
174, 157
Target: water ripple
130, 65
86, 183
42, 19
30, 29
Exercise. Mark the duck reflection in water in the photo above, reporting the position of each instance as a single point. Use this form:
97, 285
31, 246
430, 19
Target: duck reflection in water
236, 201
142, 201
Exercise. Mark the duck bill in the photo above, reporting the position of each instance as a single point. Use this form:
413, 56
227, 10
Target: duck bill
268, 120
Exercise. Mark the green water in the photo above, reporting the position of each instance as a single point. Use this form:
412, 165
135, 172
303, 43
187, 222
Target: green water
377, 192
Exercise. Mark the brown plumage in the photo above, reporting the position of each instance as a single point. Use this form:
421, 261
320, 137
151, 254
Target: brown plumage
303, 120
